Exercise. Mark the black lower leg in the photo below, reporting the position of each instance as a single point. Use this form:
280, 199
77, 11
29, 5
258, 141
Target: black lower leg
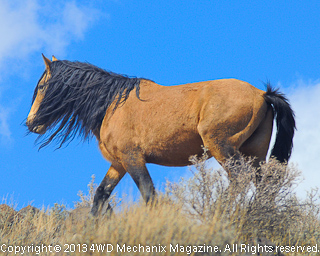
102, 195
105, 189
144, 182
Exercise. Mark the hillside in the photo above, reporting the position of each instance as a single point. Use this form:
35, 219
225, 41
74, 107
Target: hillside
204, 215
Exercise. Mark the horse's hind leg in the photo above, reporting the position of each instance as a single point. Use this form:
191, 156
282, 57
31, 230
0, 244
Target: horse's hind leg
112, 178
222, 153
221, 149
257, 144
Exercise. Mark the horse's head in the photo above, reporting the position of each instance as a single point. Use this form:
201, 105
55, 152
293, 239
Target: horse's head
38, 97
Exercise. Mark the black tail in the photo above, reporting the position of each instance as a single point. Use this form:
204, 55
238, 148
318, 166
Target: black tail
286, 125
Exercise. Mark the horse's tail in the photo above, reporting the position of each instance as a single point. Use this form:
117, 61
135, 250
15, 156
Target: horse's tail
286, 126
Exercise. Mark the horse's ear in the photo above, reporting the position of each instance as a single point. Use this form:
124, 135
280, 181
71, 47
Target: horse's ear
54, 58
46, 62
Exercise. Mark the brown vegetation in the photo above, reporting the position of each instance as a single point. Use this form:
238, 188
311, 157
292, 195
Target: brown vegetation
206, 212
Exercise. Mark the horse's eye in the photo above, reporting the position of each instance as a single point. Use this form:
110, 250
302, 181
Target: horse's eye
41, 87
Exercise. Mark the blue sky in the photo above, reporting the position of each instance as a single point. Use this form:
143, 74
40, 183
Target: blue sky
170, 42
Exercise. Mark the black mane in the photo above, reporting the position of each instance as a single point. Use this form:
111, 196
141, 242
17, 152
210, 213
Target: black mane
76, 99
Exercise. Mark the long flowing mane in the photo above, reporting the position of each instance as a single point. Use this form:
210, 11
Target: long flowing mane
76, 99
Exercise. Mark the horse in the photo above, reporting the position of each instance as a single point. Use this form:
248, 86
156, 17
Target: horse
137, 121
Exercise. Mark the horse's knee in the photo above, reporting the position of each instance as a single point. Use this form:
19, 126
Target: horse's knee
102, 194
112, 178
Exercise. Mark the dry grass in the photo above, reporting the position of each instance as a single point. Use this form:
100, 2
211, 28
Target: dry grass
206, 209
266, 210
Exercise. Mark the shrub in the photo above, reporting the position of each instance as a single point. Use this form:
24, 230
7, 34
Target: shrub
204, 211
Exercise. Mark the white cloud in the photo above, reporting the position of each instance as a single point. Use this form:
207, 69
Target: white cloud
17, 28
28, 26
304, 97
5, 133
33, 26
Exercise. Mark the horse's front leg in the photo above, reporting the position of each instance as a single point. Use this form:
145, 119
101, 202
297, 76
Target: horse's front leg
142, 178
112, 178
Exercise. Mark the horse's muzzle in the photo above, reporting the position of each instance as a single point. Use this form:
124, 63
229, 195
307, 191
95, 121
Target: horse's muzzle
40, 129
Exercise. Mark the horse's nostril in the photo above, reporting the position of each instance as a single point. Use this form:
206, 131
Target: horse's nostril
36, 129
39, 129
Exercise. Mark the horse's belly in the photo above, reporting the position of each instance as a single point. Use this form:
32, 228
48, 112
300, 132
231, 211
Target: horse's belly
174, 151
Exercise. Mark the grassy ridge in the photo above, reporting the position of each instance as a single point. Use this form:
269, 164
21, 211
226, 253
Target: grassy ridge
204, 215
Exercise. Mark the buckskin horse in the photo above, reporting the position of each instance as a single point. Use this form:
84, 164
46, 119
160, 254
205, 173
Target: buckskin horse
137, 121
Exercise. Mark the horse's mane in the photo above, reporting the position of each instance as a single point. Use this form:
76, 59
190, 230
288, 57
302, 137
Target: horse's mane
76, 99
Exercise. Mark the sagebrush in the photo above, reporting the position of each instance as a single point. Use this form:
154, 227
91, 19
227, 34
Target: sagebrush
209, 209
